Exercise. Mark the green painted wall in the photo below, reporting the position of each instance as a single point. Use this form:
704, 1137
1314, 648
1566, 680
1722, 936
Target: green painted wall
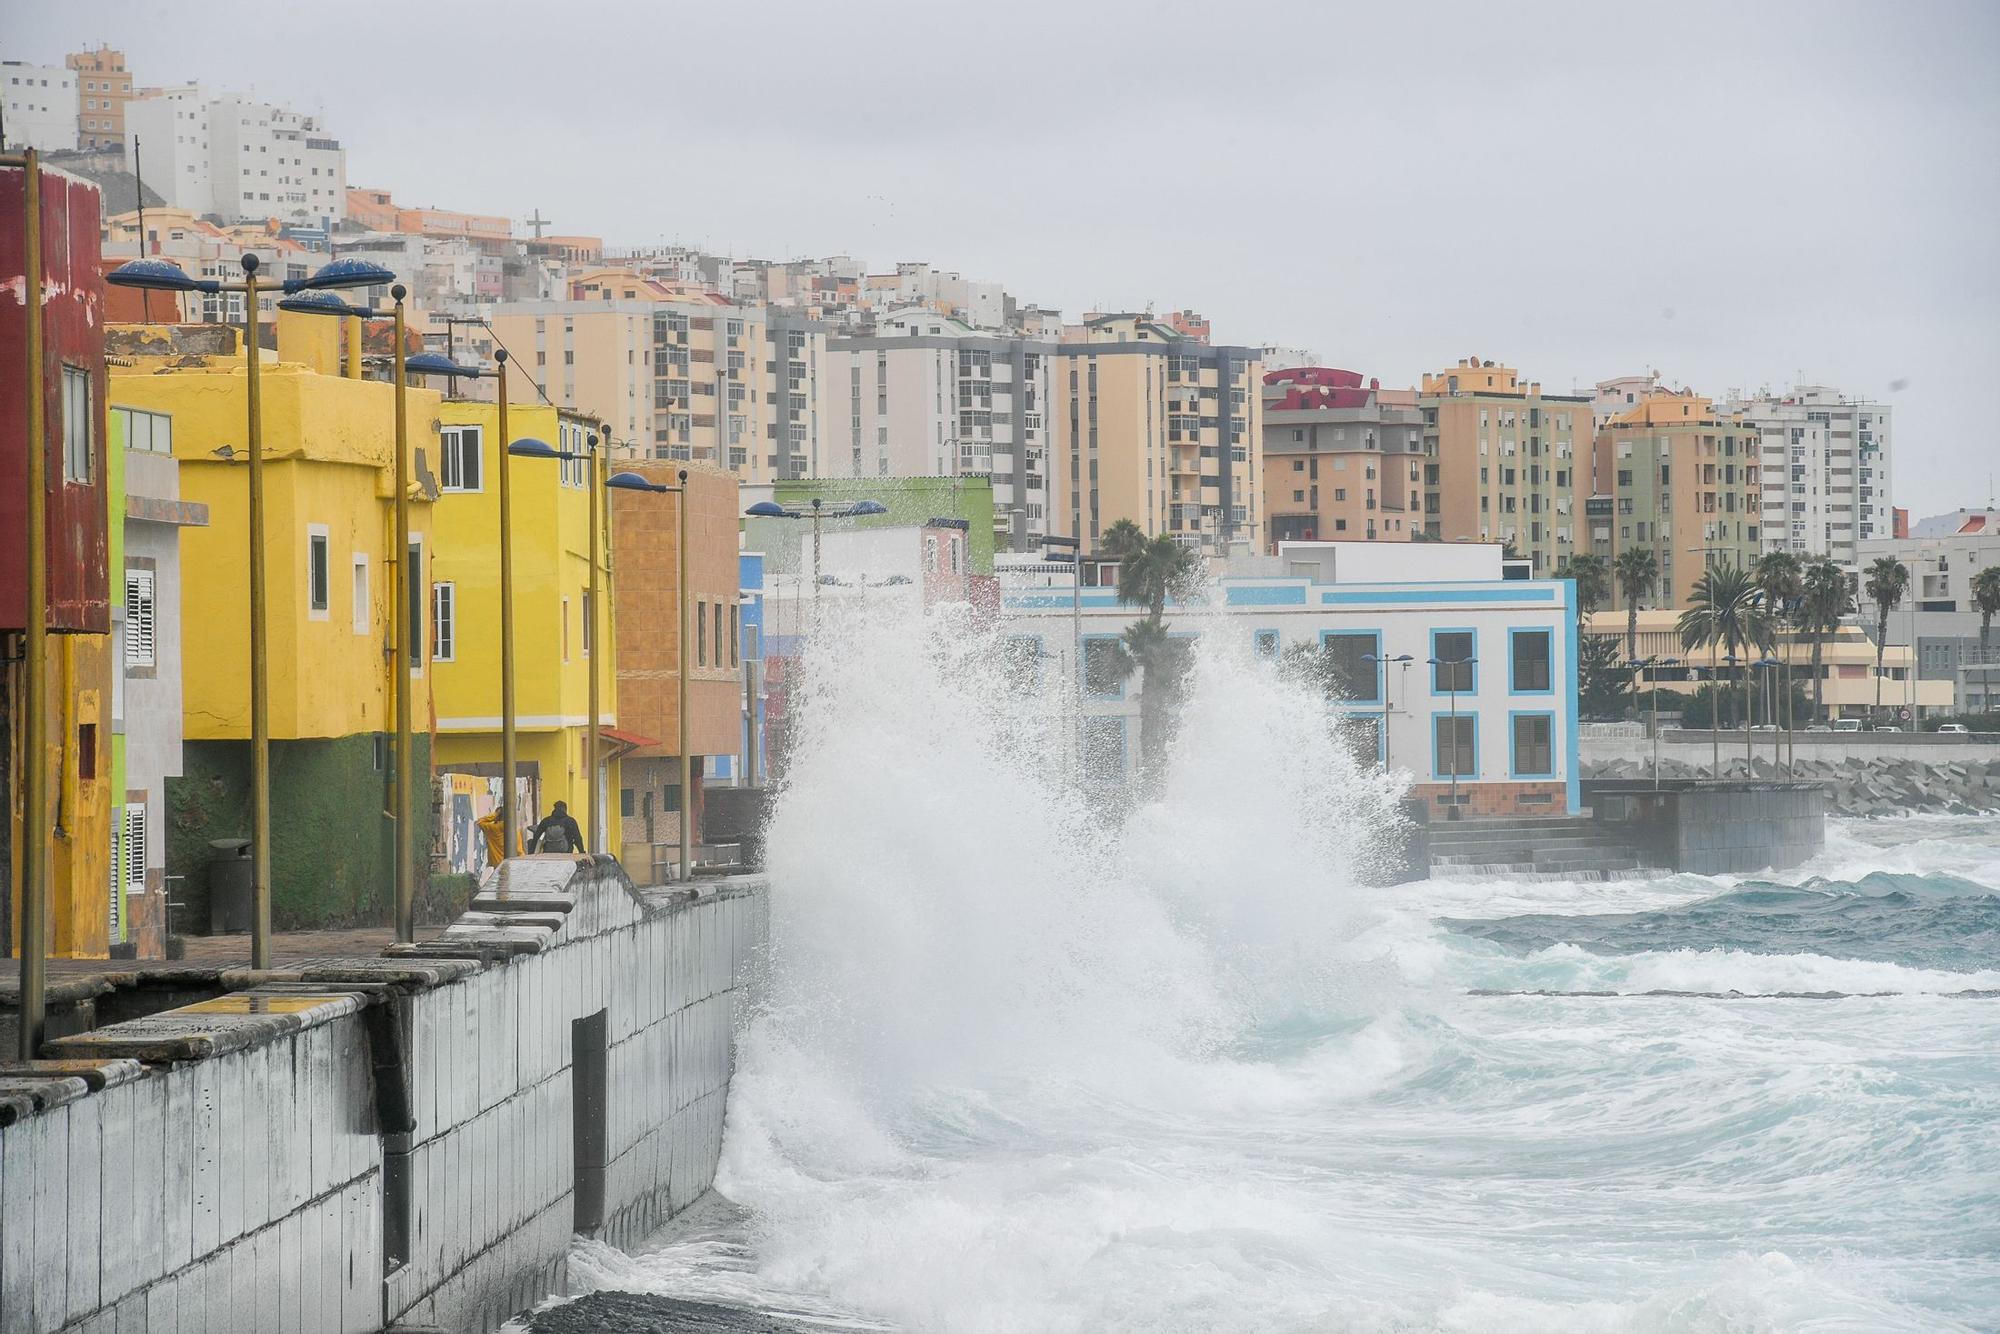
910, 500
330, 835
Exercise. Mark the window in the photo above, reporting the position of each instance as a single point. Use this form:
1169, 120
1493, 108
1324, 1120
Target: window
318, 572
1534, 755
459, 447
1104, 748
627, 802
76, 423
1455, 748
1104, 667
86, 751
720, 653
1453, 670
700, 635
147, 432
565, 629
589, 626
139, 619
735, 639
413, 620
135, 847
1349, 675
444, 621
360, 603
1531, 660
1265, 644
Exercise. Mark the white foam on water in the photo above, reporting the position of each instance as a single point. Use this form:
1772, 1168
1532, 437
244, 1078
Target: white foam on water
1019, 1068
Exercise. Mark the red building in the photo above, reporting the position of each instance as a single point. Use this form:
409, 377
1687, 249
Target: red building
72, 387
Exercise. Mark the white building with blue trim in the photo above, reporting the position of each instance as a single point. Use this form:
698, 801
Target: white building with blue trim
1486, 703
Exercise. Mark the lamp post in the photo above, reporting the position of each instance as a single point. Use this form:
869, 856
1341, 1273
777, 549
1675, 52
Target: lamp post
1646, 664
162, 276
1382, 661
1075, 558
405, 642
816, 511
35, 831
1452, 688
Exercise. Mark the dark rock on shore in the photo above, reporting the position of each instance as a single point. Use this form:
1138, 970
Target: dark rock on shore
639, 1313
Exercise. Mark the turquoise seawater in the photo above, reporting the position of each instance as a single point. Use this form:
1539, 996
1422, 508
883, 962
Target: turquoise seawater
1015, 1069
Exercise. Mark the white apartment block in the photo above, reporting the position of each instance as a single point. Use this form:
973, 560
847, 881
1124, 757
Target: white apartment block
928, 396
40, 105
1825, 460
237, 159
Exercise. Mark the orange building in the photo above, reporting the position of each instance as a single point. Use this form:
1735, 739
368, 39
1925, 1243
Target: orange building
103, 87
1342, 460
645, 583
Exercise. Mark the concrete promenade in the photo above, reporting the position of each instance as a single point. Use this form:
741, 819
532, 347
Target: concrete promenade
404, 1140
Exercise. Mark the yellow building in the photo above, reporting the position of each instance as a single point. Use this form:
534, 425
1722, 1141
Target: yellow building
329, 535
556, 636
1156, 427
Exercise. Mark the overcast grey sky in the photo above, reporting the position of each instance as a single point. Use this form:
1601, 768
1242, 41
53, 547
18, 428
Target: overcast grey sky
1731, 193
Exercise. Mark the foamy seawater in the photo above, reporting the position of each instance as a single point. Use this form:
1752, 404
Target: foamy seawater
1019, 1069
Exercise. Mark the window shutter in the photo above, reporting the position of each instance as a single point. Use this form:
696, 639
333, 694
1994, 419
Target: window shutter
139, 628
135, 848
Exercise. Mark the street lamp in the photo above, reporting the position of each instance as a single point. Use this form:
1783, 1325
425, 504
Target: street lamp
819, 509
1452, 688
35, 831
1405, 659
161, 276
1646, 664
624, 481
404, 644
1075, 561
1771, 702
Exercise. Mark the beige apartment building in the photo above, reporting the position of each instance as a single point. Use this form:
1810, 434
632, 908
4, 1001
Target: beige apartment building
1156, 427
1678, 477
1343, 460
693, 378
1505, 462
103, 87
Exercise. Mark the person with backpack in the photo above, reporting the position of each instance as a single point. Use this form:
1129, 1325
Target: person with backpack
557, 833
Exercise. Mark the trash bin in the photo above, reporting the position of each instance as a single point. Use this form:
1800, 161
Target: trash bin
229, 906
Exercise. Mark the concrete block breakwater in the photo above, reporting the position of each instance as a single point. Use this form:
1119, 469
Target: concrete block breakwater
1944, 783
367, 1143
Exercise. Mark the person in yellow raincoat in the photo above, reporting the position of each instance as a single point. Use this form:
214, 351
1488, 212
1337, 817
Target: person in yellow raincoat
492, 826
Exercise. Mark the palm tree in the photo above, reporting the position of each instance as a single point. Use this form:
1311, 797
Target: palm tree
1888, 580
1592, 582
1725, 610
1780, 580
1158, 567
1986, 597
1825, 598
1149, 570
1637, 570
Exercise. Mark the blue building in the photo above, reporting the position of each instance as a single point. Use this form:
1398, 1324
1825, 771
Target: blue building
1486, 704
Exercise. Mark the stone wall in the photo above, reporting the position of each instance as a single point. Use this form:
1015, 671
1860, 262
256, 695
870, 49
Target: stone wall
1946, 783
411, 1140
1715, 828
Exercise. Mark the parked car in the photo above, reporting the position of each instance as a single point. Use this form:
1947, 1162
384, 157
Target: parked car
1818, 727
1954, 729
1848, 725
1887, 727
1765, 727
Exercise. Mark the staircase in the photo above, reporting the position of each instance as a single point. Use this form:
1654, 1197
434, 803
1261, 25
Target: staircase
1563, 847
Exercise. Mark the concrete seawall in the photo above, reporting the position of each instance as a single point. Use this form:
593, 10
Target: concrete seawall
354, 1144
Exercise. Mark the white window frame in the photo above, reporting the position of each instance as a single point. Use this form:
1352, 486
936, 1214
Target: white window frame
444, 621
363, 610
319, 539
134, 835
452, 456
141, 618
78, 424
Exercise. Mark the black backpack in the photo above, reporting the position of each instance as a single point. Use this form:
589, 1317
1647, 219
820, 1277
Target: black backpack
555, 837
